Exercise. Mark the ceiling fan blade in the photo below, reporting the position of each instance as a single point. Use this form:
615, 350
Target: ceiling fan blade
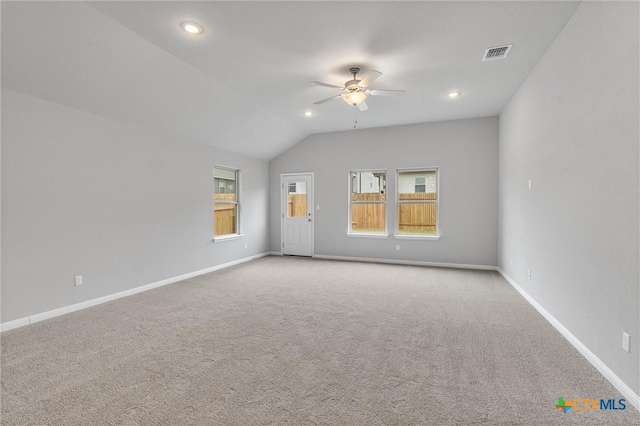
333, 86
363, 106
370, 78
379, 92
327, 100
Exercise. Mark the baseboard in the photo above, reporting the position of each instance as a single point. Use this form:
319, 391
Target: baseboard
407, 262
10, 325
608, 374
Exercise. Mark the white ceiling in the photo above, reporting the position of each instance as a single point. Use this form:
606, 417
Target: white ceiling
243, 84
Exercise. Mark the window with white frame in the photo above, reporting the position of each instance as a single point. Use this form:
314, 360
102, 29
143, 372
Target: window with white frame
225, 202
417, 202
368, 202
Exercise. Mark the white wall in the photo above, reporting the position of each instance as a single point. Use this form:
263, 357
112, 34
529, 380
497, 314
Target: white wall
573, 129
85, 195
466, 152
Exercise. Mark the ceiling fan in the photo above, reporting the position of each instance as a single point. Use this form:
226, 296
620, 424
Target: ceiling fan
356, 91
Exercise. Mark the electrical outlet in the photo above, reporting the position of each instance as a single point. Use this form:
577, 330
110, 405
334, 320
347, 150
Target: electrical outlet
397, 247
78, 280
246, 245
529, 183
626, 342
529, 273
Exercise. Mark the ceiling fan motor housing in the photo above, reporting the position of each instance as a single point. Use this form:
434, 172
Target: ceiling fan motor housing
352, 86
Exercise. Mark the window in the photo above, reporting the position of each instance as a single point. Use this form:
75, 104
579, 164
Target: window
368, 202
297, 199
225, 202
417, 202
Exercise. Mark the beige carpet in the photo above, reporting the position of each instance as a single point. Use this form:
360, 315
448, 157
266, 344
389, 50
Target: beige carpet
299, 341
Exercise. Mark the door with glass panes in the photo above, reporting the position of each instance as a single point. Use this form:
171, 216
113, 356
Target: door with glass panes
297, 214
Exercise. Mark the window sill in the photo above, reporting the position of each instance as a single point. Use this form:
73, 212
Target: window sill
416, 237
227, 238
363, 235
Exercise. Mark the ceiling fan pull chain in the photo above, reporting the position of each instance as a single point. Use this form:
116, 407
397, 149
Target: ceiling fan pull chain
355, 117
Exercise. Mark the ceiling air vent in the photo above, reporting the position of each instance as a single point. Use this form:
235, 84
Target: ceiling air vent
499, 52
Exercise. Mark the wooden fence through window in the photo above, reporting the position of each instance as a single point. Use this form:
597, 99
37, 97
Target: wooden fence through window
224, 219
413, 217
417, 217
297, 205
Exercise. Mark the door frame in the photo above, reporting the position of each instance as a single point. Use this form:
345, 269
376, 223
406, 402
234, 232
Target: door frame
283, 212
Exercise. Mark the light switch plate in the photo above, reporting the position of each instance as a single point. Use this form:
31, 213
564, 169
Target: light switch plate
626, 342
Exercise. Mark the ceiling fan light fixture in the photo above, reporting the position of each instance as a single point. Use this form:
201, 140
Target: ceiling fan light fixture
354, 98
192, 27
355, 91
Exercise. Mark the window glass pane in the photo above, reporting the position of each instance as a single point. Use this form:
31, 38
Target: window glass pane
225, 184
417, 218
225, 218
417, 185
417, 202
297, 199
225, 202
298, 188
368, 186
368, 218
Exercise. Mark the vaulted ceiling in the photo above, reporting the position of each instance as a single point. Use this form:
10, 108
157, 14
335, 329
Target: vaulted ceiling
243, 85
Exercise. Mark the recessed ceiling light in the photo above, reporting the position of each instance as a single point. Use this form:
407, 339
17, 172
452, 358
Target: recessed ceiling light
308, 113
192, 27
454, 94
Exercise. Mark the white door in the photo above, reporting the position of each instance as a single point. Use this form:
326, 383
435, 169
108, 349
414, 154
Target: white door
297, 217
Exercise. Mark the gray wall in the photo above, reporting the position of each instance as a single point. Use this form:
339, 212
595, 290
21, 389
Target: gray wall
85, 195
573, 129
466, 152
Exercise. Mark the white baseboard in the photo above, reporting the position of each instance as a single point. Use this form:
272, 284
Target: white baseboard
10, 325
608, 374
407, 262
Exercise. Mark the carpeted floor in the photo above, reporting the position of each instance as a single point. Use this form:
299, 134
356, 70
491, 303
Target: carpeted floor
298, 341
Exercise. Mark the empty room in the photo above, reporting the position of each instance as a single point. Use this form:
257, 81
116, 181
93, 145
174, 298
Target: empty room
320, 213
